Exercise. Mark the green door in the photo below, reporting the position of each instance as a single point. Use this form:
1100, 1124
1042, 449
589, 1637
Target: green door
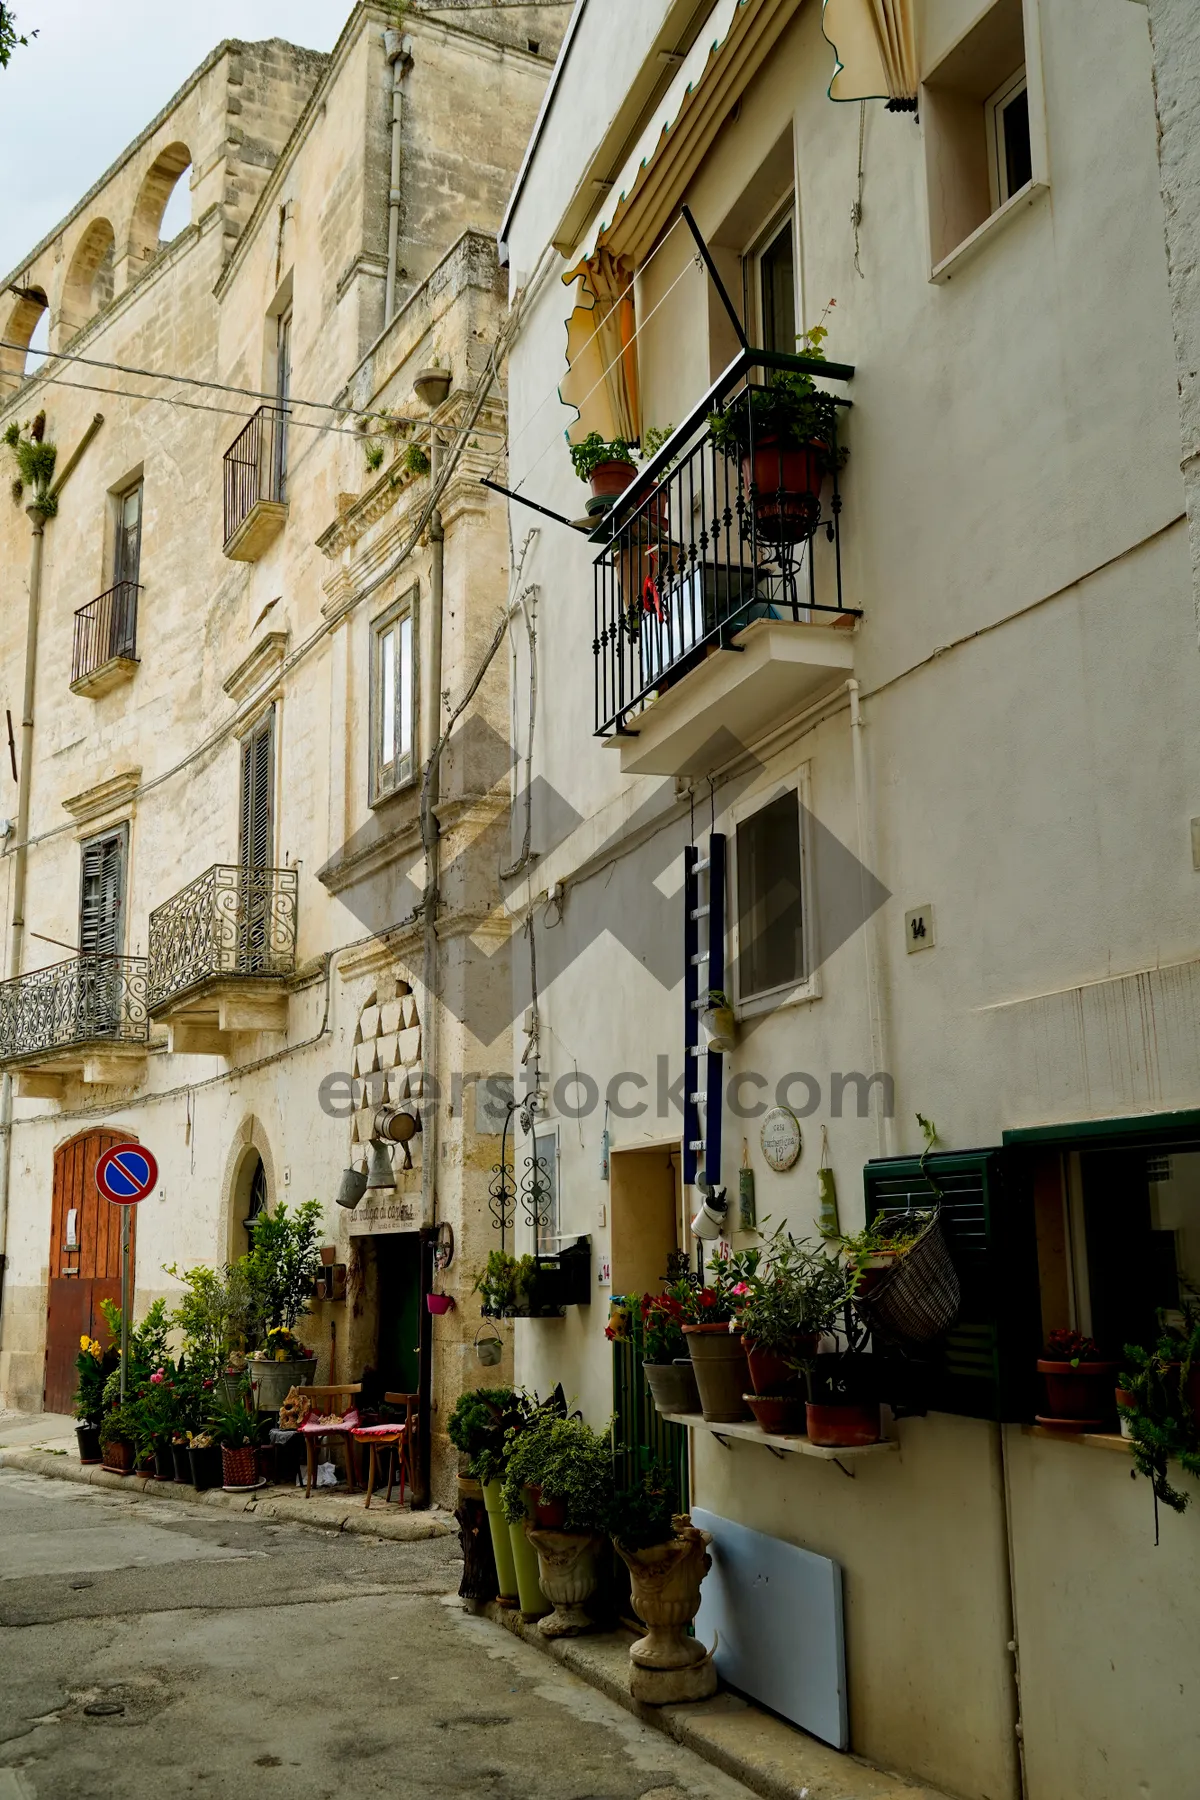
398, 1272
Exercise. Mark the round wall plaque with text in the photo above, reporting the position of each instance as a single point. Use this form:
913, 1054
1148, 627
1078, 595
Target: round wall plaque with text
780, 1137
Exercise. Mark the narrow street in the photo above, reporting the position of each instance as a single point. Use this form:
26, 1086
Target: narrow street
148, 1646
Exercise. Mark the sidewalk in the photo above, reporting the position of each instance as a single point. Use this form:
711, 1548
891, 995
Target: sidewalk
339, 1511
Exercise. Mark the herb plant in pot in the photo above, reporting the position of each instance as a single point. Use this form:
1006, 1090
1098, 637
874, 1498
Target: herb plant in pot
667, 1559
608, 467
668, 1368
564, 1469
1079, 1383
479, 1428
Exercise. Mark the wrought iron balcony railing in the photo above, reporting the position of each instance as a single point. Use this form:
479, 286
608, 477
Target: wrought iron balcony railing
706, 540
86, 1000
256, 467
106, 629
230, 923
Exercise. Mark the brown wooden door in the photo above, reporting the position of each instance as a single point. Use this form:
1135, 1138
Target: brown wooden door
85, 1262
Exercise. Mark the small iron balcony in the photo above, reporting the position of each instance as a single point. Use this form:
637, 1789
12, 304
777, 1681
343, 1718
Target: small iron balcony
105, 648
255, 484
220, 951
719, 549
86, 1016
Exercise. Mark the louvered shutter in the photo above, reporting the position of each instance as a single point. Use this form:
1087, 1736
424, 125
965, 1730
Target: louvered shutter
257, 771
985, 1368
101, 895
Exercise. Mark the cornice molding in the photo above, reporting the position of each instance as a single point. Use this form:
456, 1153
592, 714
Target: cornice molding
106, 797
265, 660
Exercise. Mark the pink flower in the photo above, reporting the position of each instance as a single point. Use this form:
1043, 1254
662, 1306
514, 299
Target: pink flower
742, 1287
158, 1375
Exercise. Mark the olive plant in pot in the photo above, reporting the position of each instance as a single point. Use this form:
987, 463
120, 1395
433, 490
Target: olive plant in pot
794, 1297
667, 1559
281, 1271
668, 1368
1079, 1383
562, 1470
714, 1337
480, 1427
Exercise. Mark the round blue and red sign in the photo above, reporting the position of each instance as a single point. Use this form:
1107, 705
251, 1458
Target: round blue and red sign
126, 1173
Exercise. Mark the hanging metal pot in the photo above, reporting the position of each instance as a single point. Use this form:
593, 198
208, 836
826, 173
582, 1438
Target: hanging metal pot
489, 1350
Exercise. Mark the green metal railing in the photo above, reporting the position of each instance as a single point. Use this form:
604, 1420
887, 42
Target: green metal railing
641, 1436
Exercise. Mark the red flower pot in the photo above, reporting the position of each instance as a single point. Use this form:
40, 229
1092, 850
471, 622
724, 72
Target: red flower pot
548, 1515
1079, 1391
771, 1371
845, 1427
780, 1414
610, 479
787, 488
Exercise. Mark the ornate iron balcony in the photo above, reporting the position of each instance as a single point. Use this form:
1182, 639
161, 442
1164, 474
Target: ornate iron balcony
255, 472
106, 631
707, 540
229, 924
86, 1000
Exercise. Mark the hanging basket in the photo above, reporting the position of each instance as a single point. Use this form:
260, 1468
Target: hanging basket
918, 1298
489, 1350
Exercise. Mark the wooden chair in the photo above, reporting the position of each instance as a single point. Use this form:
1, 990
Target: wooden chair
323, 1400
395, 1438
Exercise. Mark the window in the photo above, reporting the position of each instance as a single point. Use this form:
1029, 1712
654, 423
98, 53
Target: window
981, 125
283, 391
542, 1185
771, 953
102, 894
775, 270
393, 698
257, 797
127, 560
256, 1202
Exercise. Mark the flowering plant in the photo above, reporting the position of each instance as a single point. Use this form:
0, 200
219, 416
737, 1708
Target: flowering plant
1071, 1347
663, 1318
281, 1345
93, 1366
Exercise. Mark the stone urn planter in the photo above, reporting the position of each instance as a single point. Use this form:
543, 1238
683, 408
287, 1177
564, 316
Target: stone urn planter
568, 1574
673, 1386
271, 1382
722, 1376
667, 1666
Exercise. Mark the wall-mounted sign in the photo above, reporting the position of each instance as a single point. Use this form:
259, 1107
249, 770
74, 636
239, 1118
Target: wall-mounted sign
780, 1137
126, 1173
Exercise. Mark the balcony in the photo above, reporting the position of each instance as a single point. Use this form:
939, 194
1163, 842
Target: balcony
719, 608
221, 951
105, 649
86, 1019
255, 484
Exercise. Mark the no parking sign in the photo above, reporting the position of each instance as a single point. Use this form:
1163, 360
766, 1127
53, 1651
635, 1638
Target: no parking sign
126, 1173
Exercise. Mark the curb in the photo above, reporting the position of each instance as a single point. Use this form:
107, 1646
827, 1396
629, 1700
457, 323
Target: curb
319, 1512
773, 1759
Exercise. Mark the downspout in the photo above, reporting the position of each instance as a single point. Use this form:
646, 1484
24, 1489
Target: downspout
398, 51
430, 794
870, 930
43, 507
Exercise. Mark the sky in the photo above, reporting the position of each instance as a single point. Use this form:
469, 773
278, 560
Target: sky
97, 72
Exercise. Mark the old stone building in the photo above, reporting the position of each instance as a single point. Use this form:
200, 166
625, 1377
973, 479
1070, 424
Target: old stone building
228, 652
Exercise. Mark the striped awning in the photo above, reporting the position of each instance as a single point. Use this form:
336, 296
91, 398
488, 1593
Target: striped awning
875, 44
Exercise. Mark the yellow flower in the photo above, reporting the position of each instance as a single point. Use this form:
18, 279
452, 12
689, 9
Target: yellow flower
85, 1342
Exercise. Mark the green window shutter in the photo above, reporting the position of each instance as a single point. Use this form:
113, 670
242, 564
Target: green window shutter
257, 775
985, 1368
101, 895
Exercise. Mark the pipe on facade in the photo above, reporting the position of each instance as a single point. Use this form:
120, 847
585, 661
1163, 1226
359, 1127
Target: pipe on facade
875, 1007
398, 51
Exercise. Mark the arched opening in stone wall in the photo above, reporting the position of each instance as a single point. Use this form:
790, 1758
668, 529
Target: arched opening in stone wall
251, 1196
164, 206
25, 333
89, 283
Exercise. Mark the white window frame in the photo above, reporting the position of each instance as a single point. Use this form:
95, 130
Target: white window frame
782, 218
789, 993
391, 776
993, 112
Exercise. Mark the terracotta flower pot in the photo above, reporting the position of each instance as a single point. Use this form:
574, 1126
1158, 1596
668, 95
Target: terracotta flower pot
844, 1427
673, 1386
771, 1371
1082, 1391
568, 1574
665, 1584
610, 479
719, 1360
548, 1515
781, 1414
787, 484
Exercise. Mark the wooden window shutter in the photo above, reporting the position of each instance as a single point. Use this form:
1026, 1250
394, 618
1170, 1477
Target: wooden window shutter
101, 895
985, 1368
257, 773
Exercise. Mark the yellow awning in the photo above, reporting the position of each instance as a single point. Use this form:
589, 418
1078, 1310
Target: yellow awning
875, 43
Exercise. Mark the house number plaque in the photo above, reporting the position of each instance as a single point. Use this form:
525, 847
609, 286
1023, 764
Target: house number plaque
780, 1138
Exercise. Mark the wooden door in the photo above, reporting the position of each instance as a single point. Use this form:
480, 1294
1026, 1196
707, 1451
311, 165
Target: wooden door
85, 1261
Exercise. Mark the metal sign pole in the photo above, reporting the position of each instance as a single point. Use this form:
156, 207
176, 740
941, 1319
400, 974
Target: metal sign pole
125, 1224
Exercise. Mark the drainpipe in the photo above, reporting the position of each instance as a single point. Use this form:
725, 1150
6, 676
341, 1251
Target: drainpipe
398, 51
870, 928
41, 509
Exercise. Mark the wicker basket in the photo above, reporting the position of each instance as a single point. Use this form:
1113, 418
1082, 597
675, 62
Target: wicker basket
239, 1468
918, 1298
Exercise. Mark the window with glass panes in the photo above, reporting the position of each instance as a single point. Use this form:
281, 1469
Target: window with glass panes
393, 697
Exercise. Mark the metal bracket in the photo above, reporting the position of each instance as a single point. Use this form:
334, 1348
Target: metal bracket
850, 1473
723, 1441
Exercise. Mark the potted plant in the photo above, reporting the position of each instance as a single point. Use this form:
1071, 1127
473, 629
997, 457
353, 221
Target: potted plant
506, 1286
666, 1364
216, 1320
561, 1470
93, 1366
714, 1338
1079, 1383
794, 1297
877, 1248
667, 1559
281, 1272
843, 1410
608, 466
479, 1427
785, 437
1161, 1411
237, 1430
204, 1456
117, 1440
718, 1023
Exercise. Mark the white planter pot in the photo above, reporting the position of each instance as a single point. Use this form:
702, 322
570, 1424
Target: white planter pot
568, 1575
720, 1029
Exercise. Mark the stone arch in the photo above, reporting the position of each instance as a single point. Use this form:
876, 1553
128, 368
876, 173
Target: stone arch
160, 181
17, 334
90, 277
250, 1151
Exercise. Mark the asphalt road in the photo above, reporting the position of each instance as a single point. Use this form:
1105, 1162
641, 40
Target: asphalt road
148, 1648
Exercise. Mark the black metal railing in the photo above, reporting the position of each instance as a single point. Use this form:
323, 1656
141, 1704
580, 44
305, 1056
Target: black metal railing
256, 466
230, 921
707, 540
106, 628
86, 1000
